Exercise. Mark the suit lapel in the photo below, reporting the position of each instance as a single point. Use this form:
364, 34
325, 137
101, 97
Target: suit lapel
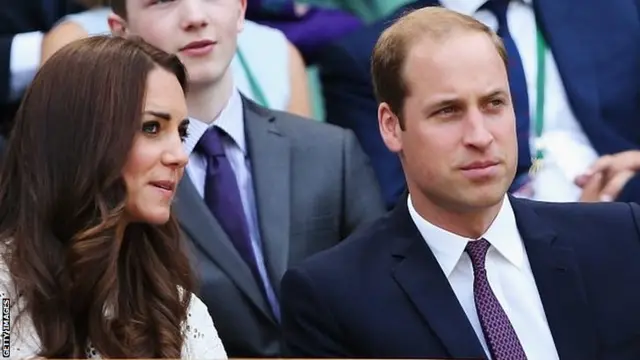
559, 283
207, 234
420, 276
269, 151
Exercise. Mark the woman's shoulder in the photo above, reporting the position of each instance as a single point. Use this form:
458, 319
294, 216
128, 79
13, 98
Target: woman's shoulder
8, 292
201, 337
24, 341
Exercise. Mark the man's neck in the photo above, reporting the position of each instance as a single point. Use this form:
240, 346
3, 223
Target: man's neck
206, 102
471, 224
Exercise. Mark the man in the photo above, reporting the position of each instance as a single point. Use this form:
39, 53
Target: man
459, 269
22, 24
263, 189
589, 84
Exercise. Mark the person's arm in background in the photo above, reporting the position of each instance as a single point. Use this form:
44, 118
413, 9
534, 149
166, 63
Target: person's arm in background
60, 36
612, 178
300, 100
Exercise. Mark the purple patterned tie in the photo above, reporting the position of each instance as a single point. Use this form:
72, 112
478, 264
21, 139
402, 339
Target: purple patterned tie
222, 196
501, 338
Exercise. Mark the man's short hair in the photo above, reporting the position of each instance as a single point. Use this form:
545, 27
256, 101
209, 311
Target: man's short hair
390, 52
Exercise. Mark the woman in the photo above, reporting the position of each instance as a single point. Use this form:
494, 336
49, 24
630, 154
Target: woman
267, 68
92, 259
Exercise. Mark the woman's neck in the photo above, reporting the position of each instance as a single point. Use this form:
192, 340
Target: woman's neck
205, 102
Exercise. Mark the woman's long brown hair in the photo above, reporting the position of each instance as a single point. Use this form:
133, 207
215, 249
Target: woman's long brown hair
82, 275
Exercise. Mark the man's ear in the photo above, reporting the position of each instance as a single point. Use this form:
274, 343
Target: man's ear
241, 15
117, 25
390, 128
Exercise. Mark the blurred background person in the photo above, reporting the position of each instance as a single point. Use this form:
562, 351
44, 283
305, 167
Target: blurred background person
22, 24
92, 258
267, 68
308, 26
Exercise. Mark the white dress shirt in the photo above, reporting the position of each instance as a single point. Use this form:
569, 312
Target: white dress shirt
24, 59
509, 274
231, 120
568, 152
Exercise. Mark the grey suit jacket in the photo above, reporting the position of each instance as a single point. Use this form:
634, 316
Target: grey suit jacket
313, 186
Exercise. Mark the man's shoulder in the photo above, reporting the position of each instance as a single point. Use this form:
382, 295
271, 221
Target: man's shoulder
598, 211
298, 127
367, 247
579, 222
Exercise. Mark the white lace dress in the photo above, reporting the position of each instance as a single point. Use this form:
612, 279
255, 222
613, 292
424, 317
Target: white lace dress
201, 342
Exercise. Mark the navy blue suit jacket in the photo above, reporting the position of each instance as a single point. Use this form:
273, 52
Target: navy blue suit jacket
596, 45
382, 294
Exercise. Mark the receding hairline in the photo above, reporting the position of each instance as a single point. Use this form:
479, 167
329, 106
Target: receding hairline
431, 22
432, 45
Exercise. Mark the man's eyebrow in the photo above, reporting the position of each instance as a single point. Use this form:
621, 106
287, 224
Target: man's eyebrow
496, 93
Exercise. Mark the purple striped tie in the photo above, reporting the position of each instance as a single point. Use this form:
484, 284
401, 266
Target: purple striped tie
501, 338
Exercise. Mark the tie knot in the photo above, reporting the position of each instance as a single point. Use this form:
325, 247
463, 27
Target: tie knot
477, 251
210, 143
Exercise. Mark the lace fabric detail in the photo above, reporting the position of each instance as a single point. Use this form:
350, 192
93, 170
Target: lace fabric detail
195, 339
201, 337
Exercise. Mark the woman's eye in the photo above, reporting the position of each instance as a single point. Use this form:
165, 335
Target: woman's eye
151, 127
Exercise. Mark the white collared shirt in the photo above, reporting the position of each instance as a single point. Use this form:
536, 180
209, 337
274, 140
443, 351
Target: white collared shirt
231, 120
568, 151
509, 274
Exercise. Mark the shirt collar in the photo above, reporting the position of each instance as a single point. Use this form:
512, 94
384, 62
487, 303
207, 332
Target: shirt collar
469, 7
503, 234
231, 120
448, 247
